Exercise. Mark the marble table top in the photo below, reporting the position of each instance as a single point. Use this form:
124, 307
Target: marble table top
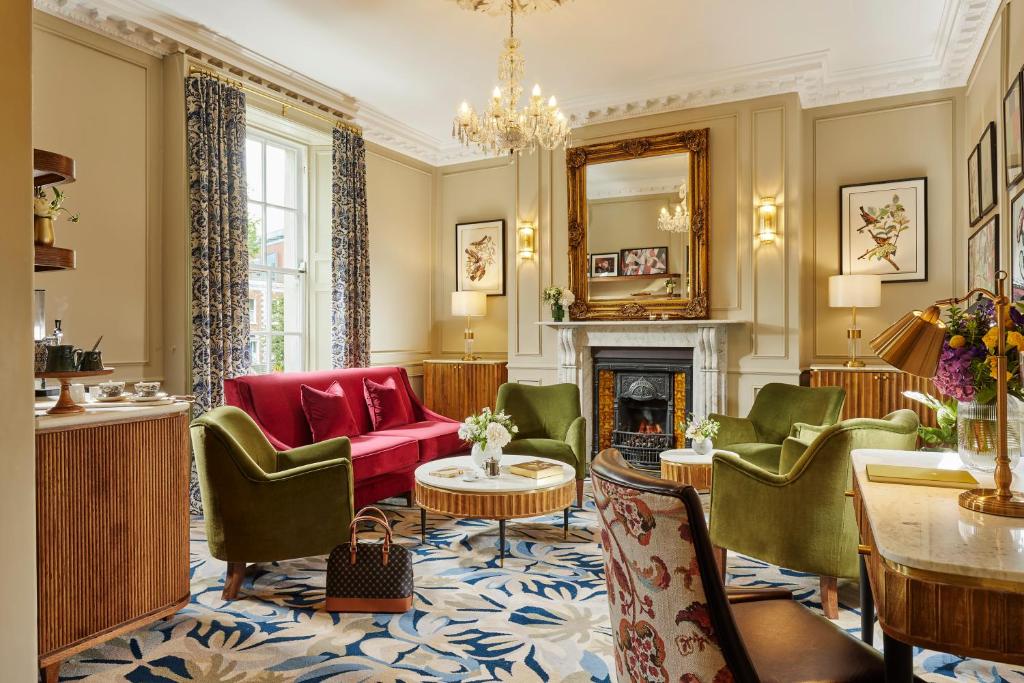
924, 528
109, 414
503, 483
688, 456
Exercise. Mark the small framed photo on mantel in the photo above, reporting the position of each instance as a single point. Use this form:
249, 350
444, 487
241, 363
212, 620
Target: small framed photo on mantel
480, 257
604, 265
883, 229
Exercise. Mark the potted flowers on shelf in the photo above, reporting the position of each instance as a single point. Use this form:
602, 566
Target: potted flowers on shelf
489, 432
559, 298
45, 212
966, 373
700, 433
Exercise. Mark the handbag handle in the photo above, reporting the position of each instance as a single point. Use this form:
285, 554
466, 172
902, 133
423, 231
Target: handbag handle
354, 537
369, 509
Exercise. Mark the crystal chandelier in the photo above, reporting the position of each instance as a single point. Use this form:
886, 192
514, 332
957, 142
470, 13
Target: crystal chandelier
504, 128
679, 220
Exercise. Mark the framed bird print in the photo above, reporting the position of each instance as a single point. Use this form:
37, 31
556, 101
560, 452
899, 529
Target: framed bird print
883, 229
983, 256
480, 257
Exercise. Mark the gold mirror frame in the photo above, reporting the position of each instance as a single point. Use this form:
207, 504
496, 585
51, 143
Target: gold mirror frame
577, 159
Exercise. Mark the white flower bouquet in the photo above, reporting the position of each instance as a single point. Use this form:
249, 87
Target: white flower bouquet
559, 298
489, 430
704, 428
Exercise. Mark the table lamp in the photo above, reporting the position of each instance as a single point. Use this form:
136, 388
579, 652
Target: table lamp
470, 305
853, 292
913, 344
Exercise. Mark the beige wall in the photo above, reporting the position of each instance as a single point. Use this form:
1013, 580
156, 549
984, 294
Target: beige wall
102, 104
17, 486
753, 152
866, 142
1001, 58
468, 193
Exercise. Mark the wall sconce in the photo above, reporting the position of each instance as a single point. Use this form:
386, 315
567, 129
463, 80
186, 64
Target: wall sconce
527, 241
767, 212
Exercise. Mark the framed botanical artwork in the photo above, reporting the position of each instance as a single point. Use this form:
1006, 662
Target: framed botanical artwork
987, 166
883, 229
1013, 132
983, 256
974, 185
645, 261
604, 265
480, 257
1017, 240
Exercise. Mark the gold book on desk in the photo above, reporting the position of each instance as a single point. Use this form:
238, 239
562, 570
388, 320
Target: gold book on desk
536, 469
921, 476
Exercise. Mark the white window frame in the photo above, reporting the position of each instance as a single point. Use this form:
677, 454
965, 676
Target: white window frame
302, 235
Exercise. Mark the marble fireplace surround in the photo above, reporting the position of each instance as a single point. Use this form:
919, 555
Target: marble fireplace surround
707, 338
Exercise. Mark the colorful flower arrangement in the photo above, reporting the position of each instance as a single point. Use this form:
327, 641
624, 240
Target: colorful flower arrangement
967, 364
489, 429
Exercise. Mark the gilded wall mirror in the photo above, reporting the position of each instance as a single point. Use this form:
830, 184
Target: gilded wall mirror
638, 228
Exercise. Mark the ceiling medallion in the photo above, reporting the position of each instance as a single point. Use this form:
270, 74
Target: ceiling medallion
500, 6
504, 128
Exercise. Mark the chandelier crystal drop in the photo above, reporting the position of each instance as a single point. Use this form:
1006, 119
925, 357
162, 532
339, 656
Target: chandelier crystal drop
678, 220
504, 128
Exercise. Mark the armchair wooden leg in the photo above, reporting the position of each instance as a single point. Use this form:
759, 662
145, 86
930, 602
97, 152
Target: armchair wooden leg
579, 493
233, 580
830, 596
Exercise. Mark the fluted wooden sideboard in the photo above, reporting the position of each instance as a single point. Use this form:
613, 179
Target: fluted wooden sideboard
112, 521
458, 388
873, 391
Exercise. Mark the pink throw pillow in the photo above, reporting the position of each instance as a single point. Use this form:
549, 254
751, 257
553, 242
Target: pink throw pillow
385, 403
327, 412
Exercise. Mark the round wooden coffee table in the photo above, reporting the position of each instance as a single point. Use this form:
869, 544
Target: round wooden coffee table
685, 466
507, 496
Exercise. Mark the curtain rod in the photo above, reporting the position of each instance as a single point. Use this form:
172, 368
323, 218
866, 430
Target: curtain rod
335, 122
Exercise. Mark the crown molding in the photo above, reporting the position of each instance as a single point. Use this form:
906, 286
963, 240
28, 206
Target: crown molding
963, 27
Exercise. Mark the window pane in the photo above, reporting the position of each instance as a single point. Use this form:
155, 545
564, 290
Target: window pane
259, 301
281, 179
259, 348
282, 238
254, 169
254, 234
286, 306
293, 349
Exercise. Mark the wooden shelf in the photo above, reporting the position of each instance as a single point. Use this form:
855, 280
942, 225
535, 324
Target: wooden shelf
50, 168
634, 278
54, 258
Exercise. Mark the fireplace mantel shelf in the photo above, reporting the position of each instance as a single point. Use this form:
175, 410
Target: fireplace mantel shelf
640, 323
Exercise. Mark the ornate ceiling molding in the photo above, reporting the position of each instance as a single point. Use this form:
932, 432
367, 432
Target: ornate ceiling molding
502, 6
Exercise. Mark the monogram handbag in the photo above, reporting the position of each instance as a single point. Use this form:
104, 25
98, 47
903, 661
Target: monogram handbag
369, 577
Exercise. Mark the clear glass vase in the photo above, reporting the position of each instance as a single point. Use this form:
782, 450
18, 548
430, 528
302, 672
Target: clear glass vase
976, 431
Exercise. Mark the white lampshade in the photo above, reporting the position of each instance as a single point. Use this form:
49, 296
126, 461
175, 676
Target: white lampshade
861, 291
469, 304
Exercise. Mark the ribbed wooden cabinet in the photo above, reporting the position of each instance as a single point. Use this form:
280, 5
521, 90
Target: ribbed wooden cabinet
874, 392
458, 389
112, 521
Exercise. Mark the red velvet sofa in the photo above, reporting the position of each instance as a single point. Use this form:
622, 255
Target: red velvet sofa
382, 462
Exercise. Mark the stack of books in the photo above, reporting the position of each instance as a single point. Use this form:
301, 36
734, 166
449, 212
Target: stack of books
536, 469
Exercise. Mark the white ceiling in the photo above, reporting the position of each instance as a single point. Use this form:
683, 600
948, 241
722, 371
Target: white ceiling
413, 61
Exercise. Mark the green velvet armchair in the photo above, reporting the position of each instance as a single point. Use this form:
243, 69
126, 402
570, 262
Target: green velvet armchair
777, 410
801, 518
263, 505
550, 425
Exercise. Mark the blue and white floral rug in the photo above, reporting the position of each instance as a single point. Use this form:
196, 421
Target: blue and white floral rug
543, 617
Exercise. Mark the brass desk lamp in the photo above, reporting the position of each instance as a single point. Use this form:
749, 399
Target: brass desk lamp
913, 344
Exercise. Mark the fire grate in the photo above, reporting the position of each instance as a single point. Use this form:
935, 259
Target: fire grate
641, 449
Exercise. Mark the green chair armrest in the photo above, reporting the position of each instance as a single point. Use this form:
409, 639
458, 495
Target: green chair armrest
806, 432
792, 449
739, 467
312, 496
576, 437
331, 449
733, 430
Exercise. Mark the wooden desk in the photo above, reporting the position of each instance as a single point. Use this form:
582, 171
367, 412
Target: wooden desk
942, 577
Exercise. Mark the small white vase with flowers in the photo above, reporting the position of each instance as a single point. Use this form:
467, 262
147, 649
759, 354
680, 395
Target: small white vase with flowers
489, 432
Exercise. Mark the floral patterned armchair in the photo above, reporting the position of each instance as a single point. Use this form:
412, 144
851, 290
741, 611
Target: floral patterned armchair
671, 617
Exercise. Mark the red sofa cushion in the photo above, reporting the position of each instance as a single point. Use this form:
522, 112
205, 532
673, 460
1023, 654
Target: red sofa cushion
374, 454
274, 400
327, 412
436, 439
387, 404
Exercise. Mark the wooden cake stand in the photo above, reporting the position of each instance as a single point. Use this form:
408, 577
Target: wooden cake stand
65, 405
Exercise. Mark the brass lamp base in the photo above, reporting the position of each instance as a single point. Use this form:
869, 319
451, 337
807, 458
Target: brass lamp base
987, 501
854, 363
470, 356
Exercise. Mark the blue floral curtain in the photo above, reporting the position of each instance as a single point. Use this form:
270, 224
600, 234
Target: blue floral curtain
215, 127
350, 255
